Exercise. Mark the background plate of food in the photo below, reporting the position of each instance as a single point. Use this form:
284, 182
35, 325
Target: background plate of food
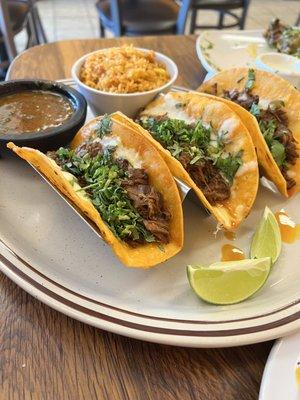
218, 50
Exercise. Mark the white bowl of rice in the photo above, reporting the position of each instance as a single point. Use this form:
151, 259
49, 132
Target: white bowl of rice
123, 78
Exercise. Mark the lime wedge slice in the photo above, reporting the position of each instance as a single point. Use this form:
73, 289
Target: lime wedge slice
266, 241
229, 282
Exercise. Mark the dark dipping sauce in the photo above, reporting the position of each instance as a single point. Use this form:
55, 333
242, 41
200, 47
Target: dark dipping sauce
33, 111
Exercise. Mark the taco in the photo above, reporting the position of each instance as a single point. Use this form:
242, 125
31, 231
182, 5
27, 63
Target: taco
269, 106
205, 145
120, 181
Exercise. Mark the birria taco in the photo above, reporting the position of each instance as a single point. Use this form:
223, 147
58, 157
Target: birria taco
206, 145
121, 182
269, 106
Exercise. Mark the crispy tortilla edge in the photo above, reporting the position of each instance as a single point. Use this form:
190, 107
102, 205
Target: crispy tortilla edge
144, 256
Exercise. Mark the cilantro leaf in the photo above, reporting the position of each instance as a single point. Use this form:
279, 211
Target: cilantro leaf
229, 165
278, 152
255, 110
194, 142
101, 179
104, 127
250, 80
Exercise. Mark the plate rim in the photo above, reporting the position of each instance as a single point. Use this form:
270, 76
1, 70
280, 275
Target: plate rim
270, 364
221, 339
111, 322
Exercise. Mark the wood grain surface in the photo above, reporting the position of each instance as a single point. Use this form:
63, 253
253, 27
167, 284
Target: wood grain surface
45, 355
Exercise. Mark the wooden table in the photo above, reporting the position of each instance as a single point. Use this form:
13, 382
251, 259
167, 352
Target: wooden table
45, 355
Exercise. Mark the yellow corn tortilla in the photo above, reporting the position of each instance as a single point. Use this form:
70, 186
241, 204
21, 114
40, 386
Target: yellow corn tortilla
142, 256
268, 87
231, 212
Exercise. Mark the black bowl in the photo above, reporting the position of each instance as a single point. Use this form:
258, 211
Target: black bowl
51, 138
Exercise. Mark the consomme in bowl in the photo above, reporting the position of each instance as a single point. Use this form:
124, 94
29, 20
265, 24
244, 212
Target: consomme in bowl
40, 114
33, 111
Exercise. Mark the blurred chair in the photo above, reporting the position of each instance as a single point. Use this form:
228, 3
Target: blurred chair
142, 17
223, 8
16, 15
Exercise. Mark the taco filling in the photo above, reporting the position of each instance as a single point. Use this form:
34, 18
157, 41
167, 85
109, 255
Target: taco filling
284, 38
273, 123
120, 191
200, 150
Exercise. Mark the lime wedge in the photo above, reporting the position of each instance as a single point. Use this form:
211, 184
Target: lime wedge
266, 241
229, 282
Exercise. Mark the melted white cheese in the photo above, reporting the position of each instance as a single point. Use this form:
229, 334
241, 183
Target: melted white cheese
228, 125
169, 108
236, 145
121, 152
130, 155
291, 174
108, 141
246, 167
264, 103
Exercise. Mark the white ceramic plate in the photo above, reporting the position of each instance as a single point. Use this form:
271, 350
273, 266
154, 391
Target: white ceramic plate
51, 253
218, 50
279, 380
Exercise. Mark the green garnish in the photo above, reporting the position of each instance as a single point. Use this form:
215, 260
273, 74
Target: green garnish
278, 152
268, 128
229, 165
104, 126
103, 186
276, 105
255, 110
277, 149
250, 80
197, 141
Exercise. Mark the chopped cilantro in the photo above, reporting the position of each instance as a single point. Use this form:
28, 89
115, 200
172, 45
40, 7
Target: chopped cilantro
195, 143
229, 165
277, 149
104, 126
250, 80
268, 128
102, 182
255, 110
278, 152
276, 105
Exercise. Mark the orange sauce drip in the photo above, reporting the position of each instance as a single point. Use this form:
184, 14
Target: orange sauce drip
232, 253
230, 235
290, 231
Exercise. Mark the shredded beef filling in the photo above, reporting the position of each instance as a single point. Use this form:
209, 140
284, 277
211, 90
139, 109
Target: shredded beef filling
91, 148
243, 98
208, 178
146, 200
54, 157
282, 133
